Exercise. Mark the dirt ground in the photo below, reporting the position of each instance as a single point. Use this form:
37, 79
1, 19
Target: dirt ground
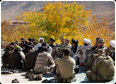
20, 76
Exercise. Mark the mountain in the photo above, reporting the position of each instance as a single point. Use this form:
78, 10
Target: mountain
11, 9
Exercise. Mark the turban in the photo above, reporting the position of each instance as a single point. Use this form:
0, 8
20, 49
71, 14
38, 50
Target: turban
41, 39
112, 43
87, 41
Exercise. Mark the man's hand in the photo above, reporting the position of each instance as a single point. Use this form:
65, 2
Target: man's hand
80, 52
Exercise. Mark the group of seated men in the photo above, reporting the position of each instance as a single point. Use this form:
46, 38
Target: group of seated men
61, 59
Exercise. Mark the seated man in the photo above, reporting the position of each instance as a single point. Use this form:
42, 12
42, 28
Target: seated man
17, 59
91, 56
83, 48
23, 43
95, 46
41, 40
7, 56
100, 44
74, 51
111, 49
7, 47
30, 41
44, 62
74, 48
52, 44
102, 69
89, 60
65, 67
65, 45
28, 49
31, 58
47, 46
112, 45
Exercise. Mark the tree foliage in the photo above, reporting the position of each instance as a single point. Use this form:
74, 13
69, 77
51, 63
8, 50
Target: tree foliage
61, 20
10, 33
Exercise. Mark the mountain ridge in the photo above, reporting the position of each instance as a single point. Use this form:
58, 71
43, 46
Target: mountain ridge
11, 9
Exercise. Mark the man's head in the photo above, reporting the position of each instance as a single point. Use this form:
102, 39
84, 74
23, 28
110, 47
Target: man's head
67, 41
44, 44
101, 52
41, 40
34, 43
29, 47
66, 51
97, 39
52, 40
16, 41
33, 40
112, 44
45, 50
42, 49
11, 47
12, 43
30, 40
100, 42
87, 41
22, 39
74, 42
62, 40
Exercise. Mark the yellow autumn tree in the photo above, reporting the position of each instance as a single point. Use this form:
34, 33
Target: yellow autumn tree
57, 20
10, 33
61, 20
94, 30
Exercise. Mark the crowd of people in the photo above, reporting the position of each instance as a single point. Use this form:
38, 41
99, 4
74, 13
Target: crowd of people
61, 59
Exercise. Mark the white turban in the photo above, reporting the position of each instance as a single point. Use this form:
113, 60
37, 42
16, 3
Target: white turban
87, 41
40, 39
112, 43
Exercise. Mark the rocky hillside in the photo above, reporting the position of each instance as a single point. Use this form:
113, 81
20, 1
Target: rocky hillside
11, 9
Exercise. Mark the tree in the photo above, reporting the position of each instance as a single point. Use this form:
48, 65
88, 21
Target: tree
96, 29
61, 20
57, 19
11, 33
